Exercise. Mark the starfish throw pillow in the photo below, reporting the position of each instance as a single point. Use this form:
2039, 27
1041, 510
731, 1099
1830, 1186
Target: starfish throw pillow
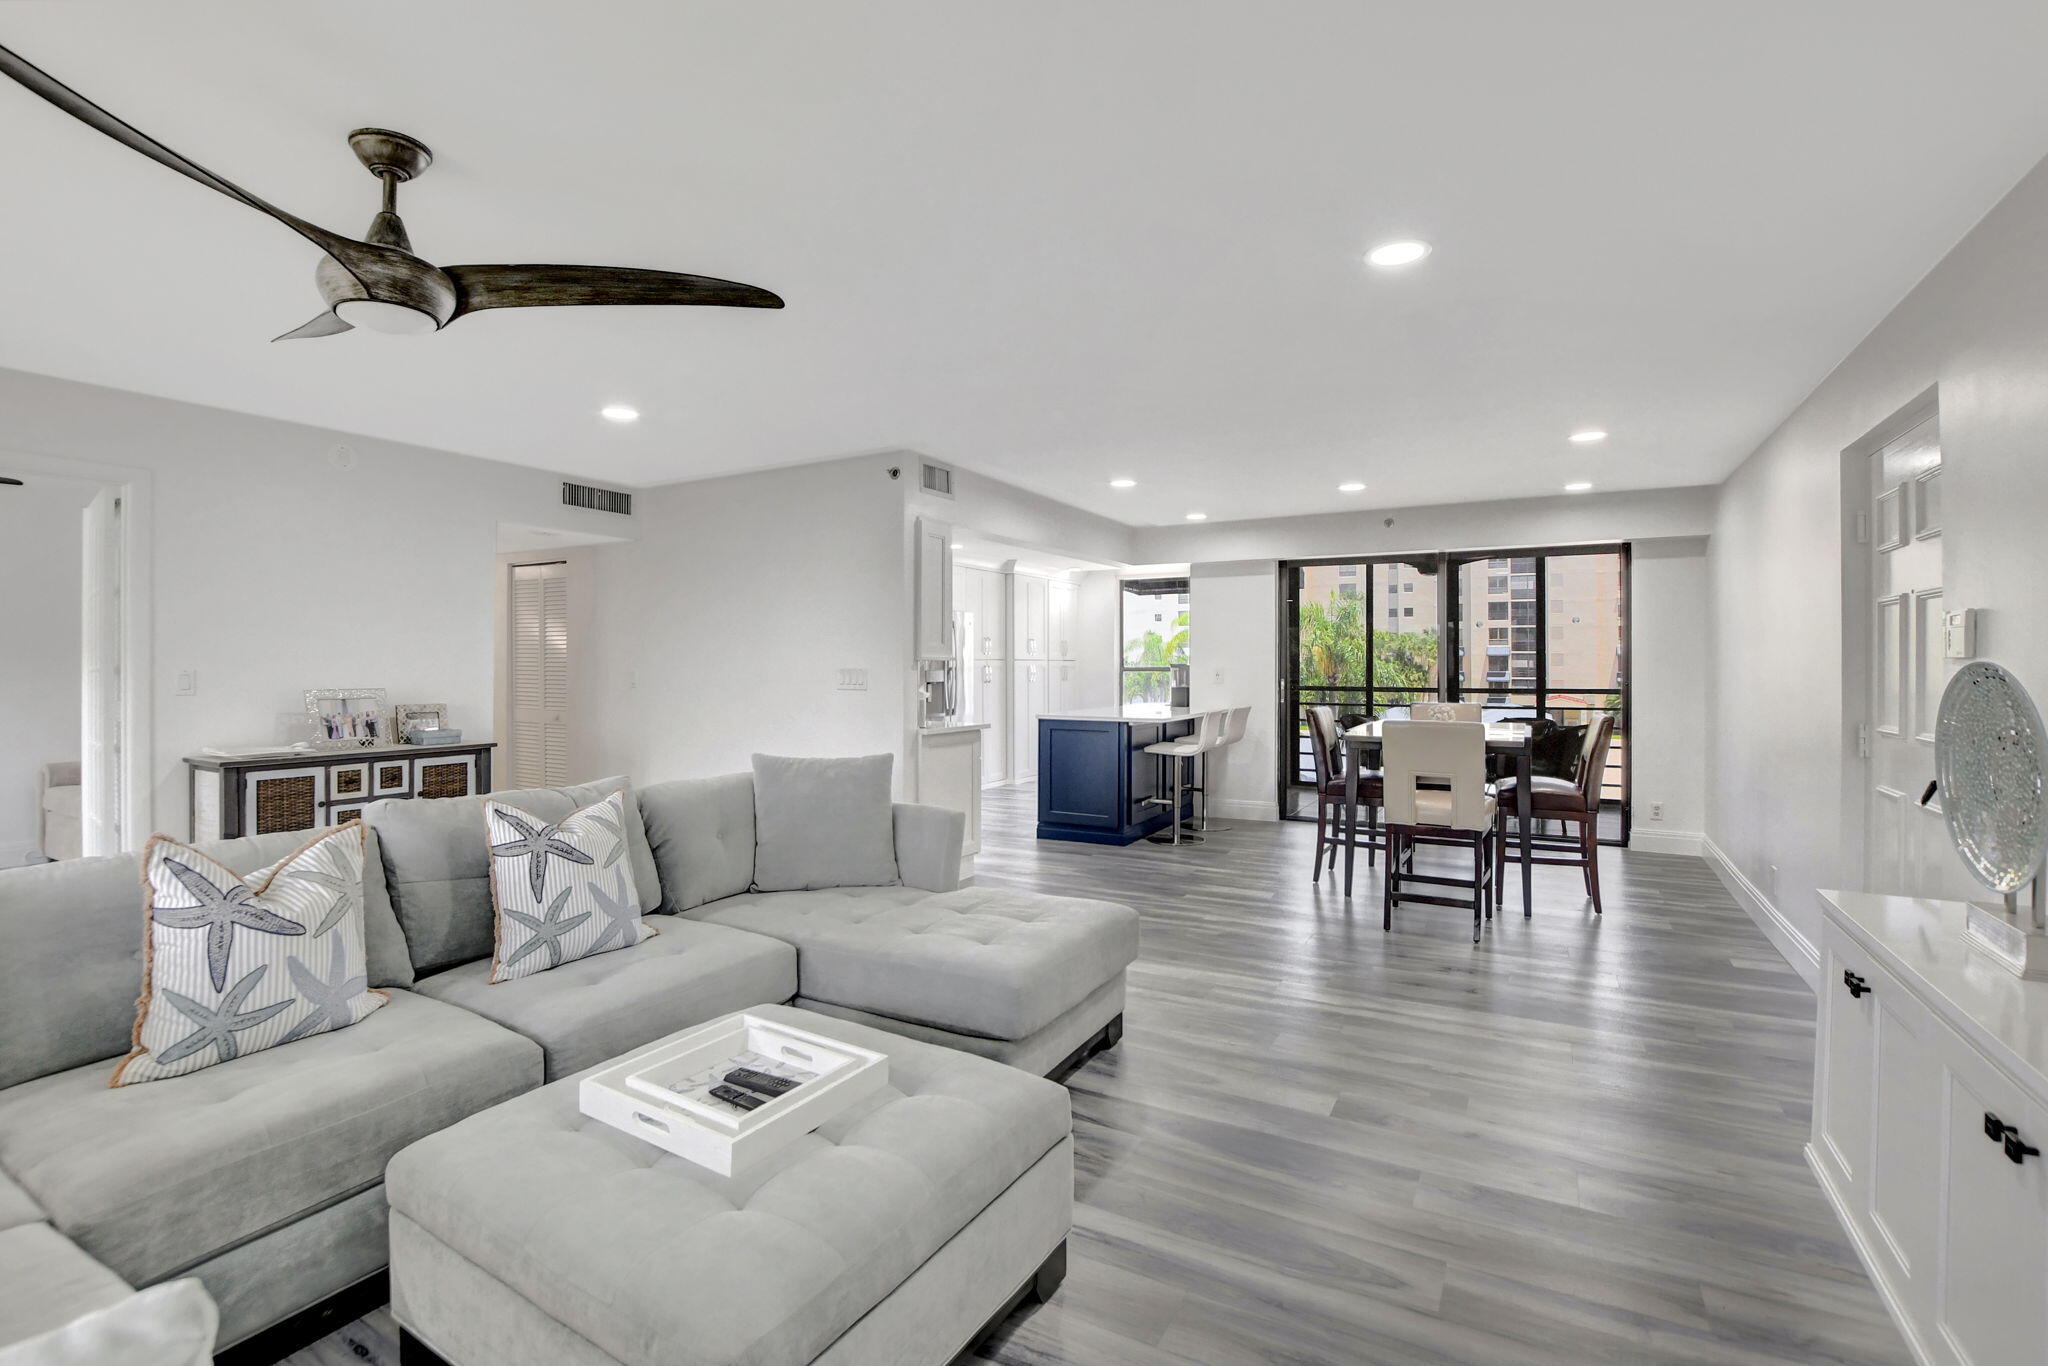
561, 892
237, 964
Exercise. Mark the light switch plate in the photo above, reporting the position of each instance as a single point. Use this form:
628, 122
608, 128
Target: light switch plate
186, 684
1959, 633
853, 680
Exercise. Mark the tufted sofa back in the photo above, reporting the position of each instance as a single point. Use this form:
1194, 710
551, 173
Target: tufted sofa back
702, 833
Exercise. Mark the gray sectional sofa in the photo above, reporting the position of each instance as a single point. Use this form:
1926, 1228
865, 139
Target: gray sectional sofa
264, 1176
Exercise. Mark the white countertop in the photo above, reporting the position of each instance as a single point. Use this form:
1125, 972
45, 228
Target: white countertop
1922, 941
954, 727
1150, 713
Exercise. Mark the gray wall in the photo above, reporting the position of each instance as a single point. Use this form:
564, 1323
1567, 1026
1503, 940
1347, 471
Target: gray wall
1780, 755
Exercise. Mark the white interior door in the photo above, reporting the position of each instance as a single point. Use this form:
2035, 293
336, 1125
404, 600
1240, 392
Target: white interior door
1906, 847
539, 696
102, 744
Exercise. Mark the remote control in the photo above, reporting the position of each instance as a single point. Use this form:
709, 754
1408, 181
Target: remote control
734, 1096
761, 1081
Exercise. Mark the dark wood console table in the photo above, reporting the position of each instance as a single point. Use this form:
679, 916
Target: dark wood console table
262, 794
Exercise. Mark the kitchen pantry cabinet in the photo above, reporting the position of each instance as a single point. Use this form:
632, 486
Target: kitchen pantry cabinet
1061, 599
1030, 698
1028, 612
1930, 1101
933, 609
981, 597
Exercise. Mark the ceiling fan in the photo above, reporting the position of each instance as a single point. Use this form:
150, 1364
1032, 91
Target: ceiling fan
378, 283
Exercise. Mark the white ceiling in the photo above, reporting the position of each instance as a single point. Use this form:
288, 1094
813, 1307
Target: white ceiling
1051, 241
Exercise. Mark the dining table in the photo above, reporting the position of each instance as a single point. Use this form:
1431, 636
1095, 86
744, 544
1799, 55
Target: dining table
1510, 739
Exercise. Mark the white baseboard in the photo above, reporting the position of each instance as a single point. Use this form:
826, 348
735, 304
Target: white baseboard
1243, 809
1871, 1266
1797, 949
1666, 841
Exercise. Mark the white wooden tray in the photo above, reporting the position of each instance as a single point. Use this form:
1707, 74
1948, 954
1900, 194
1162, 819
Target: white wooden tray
662, 1094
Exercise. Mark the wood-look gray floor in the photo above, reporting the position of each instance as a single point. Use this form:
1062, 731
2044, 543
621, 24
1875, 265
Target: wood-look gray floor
1578, 1142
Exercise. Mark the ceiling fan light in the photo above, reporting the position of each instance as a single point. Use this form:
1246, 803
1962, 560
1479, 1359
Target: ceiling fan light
378, 316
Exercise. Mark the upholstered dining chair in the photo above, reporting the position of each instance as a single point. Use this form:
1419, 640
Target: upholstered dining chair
1574, 801
1436, 793
1447, 711
1329, 775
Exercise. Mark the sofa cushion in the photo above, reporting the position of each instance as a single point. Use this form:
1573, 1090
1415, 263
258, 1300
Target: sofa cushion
166, 1325
985, 961
561, 891
702, 834
63, 801
155, 1179
584, 1012
437, 865
653, 1258
71, 952
46, 1281
17, 1206
235, 967
823, 823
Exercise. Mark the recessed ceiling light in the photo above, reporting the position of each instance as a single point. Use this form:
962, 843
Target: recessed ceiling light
1397, 253
619, 412
1198, 516
1577, 488
1353, 487
1588, 435
1123, 483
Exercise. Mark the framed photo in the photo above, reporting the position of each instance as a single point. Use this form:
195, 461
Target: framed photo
407, 717
348, 718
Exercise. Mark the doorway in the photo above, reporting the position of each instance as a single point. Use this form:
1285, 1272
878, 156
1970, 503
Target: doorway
1902, 671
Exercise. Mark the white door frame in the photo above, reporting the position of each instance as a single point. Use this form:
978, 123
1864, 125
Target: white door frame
132, 485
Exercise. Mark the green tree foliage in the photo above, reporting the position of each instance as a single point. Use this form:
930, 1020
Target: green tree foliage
1154, 651
1335, 641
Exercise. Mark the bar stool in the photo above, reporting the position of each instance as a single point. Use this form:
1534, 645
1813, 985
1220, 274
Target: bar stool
1177, 753
1235, 722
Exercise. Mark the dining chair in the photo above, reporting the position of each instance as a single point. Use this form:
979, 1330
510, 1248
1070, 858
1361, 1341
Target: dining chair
1573, 801
1328, 755
1176, 753
1435, 791
1448, 711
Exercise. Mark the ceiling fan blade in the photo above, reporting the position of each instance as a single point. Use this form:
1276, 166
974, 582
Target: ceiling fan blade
354, 255
480, 287
324, 325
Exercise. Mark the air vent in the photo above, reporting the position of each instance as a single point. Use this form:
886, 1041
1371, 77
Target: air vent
937, 479
603, 500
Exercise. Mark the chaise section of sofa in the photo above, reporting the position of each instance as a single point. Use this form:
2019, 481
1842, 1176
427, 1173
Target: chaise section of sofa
262, 1176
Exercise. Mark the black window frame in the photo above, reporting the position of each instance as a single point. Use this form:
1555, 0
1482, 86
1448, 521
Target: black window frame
1529, 561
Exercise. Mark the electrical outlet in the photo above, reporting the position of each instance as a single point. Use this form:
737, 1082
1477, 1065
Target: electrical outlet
853, 680
1656, 811
1216, 676
186, 684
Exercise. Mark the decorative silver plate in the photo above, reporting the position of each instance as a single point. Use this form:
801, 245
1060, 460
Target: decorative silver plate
1989, 749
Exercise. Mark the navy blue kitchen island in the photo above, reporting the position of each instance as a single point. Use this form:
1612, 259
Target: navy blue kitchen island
1094, 775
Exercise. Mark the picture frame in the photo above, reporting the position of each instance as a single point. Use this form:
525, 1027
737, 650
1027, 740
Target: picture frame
407, 717
348, 718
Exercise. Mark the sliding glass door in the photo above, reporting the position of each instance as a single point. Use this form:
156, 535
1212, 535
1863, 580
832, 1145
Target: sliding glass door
1524, 632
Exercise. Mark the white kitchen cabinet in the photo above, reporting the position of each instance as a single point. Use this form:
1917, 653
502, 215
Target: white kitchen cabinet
1028, 614
1930, 1087
1030, 698
1062, 600
1061, 687
949, 774
992, 681
992, 633
933, 607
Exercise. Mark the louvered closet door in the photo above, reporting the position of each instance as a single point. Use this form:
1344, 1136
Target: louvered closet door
540, 675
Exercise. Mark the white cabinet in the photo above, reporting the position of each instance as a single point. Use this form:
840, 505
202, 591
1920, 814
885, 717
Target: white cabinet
1061, 686
1928, 1059
991, 632
992, 682
933, 608
1029, 699
1028, 615
949, 775
1061, 602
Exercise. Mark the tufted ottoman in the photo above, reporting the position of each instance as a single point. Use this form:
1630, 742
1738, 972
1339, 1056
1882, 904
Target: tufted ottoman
896, 1234
1035, 981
